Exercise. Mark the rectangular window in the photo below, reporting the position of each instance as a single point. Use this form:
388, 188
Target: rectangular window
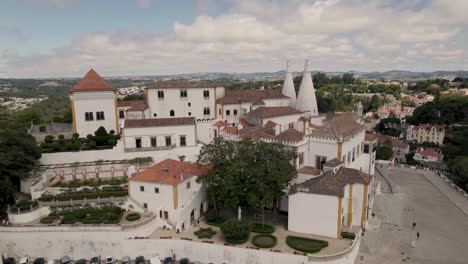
153, 142
156, 190
100, 115
206, 94
138, 142
219, 111
188, 185
168, 141
189, 104
183, 93
301, 158
291, 125
145, 205
206, 111
189, 113
160, 94
366, 148
121, 114
349, 157
89, 116
42, 129
228, 112
183, 141
166, 214
235, 112
142, 188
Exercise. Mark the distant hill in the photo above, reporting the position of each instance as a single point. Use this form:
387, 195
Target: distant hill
387, 75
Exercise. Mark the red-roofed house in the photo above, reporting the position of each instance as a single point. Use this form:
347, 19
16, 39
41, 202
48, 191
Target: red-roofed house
169, 189
428, 155
93, 104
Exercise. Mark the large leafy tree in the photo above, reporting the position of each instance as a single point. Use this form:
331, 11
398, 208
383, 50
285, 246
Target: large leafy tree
247, 173
384, 152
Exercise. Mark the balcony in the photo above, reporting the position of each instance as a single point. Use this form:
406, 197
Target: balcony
149, 148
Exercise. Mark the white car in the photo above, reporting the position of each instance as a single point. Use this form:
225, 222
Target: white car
109, 260
24, 260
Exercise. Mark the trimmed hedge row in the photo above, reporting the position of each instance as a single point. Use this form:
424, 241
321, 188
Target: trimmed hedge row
90, 215
133, 216
304, 244
92, 182
262, 228
348, 235
48, 219
256, 240
212, 219
235, 231
81, 196
205, 232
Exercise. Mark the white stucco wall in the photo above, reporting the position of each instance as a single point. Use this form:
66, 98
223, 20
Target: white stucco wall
160, 133
173, 101
29, 216
284, 121
321, 147
313, 214
94, 102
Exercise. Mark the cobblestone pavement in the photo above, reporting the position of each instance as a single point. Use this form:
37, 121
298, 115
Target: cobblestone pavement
437, 211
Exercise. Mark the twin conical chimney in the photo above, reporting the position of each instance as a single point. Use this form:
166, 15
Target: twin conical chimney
306, 100
288, 86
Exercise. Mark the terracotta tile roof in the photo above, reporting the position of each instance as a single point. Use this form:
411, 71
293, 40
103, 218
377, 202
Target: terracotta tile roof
135, 105
220, 124
331, 183
230, 130
370, 137
181, 84
290, 135
257, 132
159, 122
170, 171
252, 96
270, 124
244, 122
339, 125
303, 119
429, 152
428, 127
92, 82
333, 163
266, 112
309, 170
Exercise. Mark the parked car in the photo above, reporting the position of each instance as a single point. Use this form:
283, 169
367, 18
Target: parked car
125, 260
52, 261
39, 261
140, 260
10, 261
109, 260
81, 261
24, 260
184, 261
168, 260
95, 260
65, 260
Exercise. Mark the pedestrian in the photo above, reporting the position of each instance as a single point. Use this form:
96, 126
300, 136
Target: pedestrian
417, 234
413, 243
414, 225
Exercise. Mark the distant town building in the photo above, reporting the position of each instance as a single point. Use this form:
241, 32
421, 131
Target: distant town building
426, 133
428, 155
400, 148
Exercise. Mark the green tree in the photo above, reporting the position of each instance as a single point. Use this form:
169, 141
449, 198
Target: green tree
384, 152
247, 173
459, 170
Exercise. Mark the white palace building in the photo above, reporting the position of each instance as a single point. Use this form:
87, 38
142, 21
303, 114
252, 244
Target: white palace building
335, 161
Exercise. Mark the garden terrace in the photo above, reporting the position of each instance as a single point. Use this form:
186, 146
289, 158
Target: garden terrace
85, 215
116, 191
91, 182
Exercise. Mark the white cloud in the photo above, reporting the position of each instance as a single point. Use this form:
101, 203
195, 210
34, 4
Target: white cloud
259, 35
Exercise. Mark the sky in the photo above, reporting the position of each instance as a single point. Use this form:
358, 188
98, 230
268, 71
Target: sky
65, 38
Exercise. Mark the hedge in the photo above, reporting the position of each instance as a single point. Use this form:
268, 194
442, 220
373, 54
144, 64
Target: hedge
262, 228
81, 196
205, 232
48, 219
133, 216
236, 231
91, 182
304, 244
257, 243
348, 235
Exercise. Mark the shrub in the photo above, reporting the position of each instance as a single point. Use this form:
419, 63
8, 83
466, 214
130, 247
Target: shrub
348, 235
48, 139
212, 219
235, 231
304, 244
133, 216
89, 137
205, 232
262, 228
48, 219
92, 144
264, 240
61, 137
112, 132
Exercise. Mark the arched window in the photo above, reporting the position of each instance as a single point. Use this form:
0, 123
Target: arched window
172, 113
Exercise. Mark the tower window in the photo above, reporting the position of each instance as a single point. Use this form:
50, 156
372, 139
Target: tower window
160, 94
235, 112
183, 93
206, 111
206, 94
100, 115
172, 113
228, 112
121, 114
183, 141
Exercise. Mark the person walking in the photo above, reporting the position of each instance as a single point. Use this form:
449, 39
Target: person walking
417, 234
413, 243
414, 225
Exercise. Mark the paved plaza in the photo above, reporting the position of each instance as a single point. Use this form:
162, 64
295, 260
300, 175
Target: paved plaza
439, 211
